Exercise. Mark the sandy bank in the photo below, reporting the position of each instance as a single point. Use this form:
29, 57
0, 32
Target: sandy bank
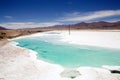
3, 42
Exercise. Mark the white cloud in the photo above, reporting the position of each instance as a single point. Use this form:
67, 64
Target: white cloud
18, 25
8, 17
90, 15
113, 20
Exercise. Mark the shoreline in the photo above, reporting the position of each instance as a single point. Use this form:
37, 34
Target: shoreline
63, 34
49, 70
55, 71
101, 38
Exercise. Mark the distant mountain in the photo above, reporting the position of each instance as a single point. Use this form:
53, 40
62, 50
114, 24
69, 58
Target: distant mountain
2, 28
10, 33
92, 25
82, 25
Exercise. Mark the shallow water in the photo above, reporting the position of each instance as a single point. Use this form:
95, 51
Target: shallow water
68, 55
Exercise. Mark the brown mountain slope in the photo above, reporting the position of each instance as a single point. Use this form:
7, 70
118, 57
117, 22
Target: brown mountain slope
2, 28
94, 25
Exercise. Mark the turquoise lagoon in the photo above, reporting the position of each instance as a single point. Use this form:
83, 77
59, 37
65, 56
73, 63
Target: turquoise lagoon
68, 55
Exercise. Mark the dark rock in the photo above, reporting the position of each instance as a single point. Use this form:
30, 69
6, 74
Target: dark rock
115, 71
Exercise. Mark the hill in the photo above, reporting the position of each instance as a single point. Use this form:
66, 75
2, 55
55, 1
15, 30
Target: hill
2, 28
93, 25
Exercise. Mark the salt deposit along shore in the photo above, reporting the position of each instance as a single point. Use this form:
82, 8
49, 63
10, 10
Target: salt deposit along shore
108, 39
18, 63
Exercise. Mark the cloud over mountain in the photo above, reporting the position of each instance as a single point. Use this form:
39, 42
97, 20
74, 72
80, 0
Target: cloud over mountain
18, 25
90, 15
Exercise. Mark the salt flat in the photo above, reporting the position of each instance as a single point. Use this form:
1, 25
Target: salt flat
107, 39
18, 63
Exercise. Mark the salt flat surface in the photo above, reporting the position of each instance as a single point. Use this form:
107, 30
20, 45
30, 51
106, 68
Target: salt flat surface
18, 63
21, 64
107, 39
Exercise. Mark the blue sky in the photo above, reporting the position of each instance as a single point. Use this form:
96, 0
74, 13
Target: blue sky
40, 13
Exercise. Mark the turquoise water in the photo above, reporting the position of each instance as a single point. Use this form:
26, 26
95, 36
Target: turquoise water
69, 55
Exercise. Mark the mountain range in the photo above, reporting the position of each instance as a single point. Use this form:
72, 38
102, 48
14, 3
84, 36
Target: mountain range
92, 25
9, 33
81, 25
3, 28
